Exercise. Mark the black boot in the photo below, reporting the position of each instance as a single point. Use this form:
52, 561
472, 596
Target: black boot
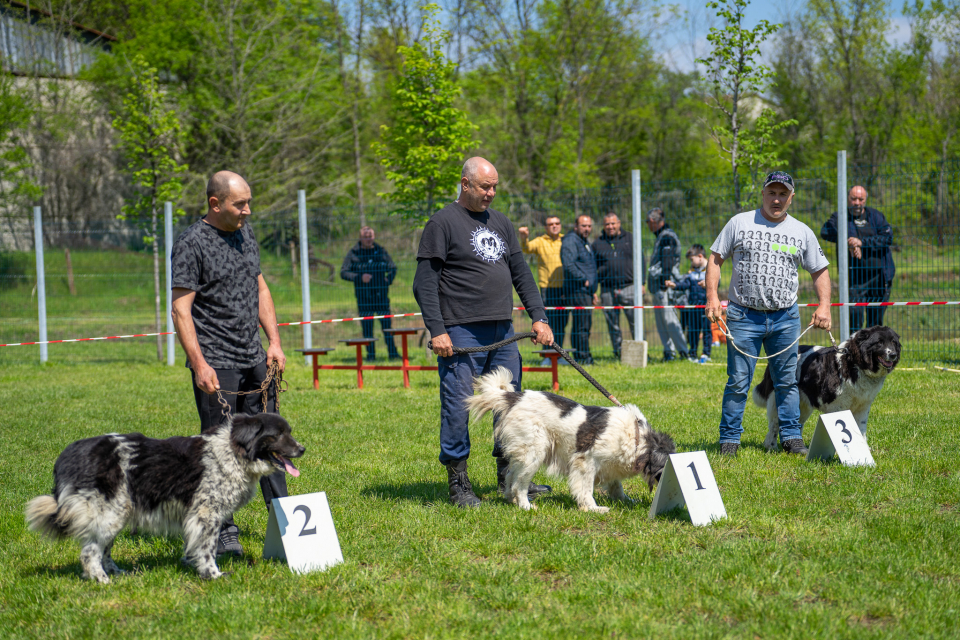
461, 492
533, 490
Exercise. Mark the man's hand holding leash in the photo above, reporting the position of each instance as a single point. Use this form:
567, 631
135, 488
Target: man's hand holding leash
442, 346
544, 334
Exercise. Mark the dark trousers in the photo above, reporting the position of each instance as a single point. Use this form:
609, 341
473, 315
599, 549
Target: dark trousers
582, 322
385, 323
456, 381
553, 297
211, 414
617, 298
695, 321
868, 287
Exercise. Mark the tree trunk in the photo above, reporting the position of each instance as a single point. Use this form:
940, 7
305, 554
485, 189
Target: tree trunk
70, 284
156, 277
356, 116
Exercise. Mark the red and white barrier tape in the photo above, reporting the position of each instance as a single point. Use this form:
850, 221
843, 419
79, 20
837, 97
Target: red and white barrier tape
408, 315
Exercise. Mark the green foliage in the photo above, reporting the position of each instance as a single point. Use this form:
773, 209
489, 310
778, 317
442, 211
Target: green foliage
734, 72
16, 188
424, 147
760, 148
150, 138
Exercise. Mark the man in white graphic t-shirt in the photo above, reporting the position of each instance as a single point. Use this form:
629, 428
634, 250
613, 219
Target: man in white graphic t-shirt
762, 310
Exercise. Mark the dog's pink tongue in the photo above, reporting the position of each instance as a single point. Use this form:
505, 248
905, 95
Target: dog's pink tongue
292, 470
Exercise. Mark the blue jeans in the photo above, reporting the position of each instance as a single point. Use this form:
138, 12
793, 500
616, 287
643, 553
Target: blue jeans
456, 381
774, 330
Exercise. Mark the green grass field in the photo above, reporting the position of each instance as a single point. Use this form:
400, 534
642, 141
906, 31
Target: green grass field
808, 550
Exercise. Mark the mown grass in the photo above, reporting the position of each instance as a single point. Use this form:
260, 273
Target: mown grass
808, 550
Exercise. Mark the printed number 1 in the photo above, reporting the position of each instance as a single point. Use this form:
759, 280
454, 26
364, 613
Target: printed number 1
306, 521
695, 476
846, 431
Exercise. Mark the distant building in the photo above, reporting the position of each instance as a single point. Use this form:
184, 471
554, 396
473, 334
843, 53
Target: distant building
39, 44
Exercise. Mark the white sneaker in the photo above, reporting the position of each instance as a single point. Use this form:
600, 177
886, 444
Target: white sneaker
704, 359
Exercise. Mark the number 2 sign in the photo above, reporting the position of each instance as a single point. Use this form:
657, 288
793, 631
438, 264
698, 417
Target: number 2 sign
839, 433
688, 479
300, 530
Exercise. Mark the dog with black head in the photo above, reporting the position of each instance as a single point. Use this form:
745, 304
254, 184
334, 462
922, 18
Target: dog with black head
591, 446
186, 485
829, 379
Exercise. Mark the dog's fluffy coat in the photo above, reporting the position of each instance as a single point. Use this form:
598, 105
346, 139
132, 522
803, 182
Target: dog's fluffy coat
591, 446
830, 379
182, 484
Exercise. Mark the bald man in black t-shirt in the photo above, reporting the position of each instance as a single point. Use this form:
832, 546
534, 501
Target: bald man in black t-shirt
468, 264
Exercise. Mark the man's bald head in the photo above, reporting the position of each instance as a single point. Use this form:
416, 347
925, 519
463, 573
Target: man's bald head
220, 183
478, 184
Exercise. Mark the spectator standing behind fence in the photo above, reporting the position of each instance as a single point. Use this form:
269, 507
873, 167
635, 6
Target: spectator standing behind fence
468, 264
549, 272
614, 252
871, 268
579, 284
695, 321
665, 265
371, 270
219, 298
768, 248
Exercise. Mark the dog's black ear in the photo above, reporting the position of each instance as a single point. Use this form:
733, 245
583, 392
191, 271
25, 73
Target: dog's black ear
245, 433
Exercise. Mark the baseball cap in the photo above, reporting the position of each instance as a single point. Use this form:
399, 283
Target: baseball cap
779, 176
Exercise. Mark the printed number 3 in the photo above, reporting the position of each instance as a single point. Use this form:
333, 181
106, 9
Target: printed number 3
306, 521
846, 431
695, 476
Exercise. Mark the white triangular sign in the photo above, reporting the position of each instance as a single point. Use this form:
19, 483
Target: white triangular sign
688, 479
839, 433
300, 530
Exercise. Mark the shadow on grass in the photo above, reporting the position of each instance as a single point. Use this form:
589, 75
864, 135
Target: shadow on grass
417, 492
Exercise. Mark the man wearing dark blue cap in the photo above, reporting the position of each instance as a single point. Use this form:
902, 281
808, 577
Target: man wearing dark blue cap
768, 248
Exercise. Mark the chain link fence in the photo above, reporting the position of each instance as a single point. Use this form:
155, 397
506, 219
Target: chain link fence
100, 279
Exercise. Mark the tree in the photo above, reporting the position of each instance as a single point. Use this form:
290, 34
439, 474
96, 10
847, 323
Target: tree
734, 72
423, 149
16, 188
150, 140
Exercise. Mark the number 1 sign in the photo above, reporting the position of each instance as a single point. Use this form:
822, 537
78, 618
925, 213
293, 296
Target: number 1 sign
839, 433
688, 479
300, 530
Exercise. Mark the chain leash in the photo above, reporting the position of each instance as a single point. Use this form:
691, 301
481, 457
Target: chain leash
274, 376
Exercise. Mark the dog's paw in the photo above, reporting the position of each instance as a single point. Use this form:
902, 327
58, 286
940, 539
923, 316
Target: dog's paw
529, 506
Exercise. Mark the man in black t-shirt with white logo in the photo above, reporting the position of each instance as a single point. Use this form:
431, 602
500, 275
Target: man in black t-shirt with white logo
219, 298
468, 264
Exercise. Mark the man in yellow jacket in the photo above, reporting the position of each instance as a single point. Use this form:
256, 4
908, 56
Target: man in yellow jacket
549, 272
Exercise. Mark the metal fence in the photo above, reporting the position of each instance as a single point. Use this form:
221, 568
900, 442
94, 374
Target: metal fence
99, 279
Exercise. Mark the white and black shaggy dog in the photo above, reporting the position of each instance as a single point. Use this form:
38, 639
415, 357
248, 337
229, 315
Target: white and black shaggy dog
183, 484
830, 379
591, 446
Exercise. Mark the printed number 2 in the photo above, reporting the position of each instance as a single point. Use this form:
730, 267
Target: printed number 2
695, 476
306, 521
846, 431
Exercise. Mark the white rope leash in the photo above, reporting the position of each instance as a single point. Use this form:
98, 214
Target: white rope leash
722, 324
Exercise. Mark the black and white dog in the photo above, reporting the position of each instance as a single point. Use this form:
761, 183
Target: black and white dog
182, 484
836, 378
591, 446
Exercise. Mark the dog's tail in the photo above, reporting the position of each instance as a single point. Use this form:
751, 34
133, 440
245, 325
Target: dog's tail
41, 514
763, 390
495, 393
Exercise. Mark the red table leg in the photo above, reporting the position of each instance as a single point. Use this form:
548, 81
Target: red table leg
316, 370
406, 363
553, 372
359, 367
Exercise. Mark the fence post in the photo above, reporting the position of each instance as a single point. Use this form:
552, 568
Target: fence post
168, 266
304, 272
41, 283
638, 275
843, 254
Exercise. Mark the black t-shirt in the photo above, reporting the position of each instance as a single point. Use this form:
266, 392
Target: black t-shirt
222, 268
476, 283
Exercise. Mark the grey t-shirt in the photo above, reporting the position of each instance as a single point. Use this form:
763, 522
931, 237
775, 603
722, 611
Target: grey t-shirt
767, 257
222, 268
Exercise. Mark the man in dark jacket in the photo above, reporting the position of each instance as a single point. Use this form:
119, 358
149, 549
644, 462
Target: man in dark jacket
614, 252
665, 265
579, 283
371, 270
871, 268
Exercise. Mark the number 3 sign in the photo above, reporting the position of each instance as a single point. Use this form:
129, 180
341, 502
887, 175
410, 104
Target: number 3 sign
688, 479
300, 530
839, 433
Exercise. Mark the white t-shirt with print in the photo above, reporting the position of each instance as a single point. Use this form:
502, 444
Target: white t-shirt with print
767, 257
